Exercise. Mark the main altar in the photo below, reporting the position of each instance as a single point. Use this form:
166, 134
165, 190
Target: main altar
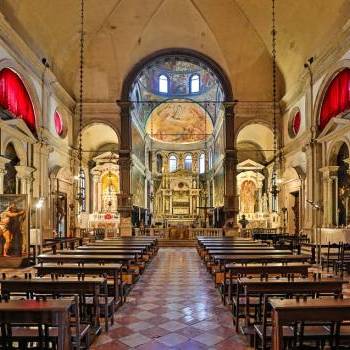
177, 199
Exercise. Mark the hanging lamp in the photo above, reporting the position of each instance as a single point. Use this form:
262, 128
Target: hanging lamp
274, 184
80, 195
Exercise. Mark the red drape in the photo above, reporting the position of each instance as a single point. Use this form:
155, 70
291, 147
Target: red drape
336, 99
58, 123
15, 98
296, 123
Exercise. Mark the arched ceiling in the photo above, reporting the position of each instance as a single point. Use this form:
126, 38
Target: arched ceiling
98, 137
264, 140
234, 33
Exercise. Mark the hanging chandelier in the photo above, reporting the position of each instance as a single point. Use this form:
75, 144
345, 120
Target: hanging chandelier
274, 184
80, 195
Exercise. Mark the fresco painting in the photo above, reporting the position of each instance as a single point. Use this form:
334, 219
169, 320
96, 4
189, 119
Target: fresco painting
179, 122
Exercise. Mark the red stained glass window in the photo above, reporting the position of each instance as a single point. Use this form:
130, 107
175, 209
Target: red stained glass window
336, 99
58, 123
296, 123
14, 97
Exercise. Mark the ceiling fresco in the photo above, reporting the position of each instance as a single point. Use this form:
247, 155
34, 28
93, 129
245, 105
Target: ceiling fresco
179, 121
178, 69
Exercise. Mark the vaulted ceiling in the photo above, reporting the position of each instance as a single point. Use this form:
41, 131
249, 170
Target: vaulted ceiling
234, 33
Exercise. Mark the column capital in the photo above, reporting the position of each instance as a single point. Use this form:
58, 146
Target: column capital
24, 172
3, 162
329, 170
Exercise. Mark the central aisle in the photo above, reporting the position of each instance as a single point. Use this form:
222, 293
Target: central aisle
173, 306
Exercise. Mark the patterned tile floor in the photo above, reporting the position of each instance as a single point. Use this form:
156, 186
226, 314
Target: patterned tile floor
173, 306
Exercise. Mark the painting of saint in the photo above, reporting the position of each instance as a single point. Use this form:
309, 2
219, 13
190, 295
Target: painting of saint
247, 196
13, 225
179, 122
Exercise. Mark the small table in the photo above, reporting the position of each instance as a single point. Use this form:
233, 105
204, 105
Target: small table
289, 310
52, 312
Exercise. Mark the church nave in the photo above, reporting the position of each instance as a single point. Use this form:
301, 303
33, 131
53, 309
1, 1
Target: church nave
173, 306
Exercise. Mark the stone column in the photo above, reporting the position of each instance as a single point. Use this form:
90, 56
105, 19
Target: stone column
230, 168
24, 174
3, 162
124, 162
329, 205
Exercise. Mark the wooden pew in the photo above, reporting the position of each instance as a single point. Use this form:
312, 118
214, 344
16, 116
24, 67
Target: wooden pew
232, 271
128, 261
284, 286
317, 310
112, 270
65, 286
28, 312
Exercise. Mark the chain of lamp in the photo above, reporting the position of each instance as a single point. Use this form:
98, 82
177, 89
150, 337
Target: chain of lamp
81, 96
274, 188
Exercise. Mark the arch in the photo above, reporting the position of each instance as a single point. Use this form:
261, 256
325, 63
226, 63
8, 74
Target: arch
29, 86
247, 134
10, 183
327, 79
96, 134
334, 149
19, 148
217, 70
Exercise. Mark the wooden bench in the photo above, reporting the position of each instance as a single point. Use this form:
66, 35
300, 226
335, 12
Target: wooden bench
112, 270
318, 310
54, 313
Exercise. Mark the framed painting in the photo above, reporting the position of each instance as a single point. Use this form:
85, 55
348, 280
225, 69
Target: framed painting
14, 233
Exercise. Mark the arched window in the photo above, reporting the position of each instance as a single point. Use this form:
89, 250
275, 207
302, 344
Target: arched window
336, 99
172, 163
163, 84
15, 98
202, 163
11, 172
210, 159
58, 123
82, 190
194, 84
188, 162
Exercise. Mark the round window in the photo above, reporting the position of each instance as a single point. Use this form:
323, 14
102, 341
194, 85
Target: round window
294, 124
58, 124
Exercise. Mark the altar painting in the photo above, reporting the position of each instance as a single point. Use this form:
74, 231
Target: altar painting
138, 188
13, 225
247, 196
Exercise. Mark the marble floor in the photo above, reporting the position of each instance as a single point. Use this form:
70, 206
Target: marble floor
173, 306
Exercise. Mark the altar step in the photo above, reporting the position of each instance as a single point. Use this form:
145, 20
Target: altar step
163, 242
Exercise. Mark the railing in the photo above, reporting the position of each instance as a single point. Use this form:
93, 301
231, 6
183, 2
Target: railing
207, 232
152, 231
